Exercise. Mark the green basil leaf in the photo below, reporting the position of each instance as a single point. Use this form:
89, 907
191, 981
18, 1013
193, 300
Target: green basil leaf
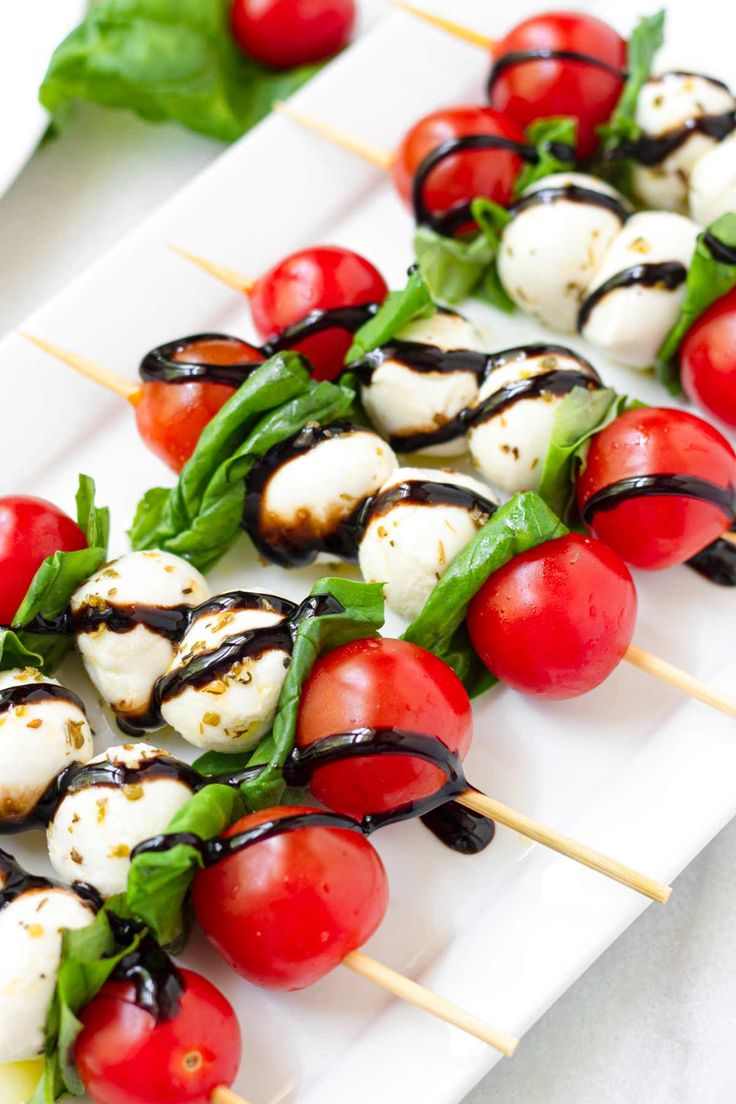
399, 309
546, 135
492, 219
707, 280
520, 524
453, 268
166, 60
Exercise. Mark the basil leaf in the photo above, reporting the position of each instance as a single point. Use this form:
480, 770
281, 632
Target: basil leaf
520, 524
549, 137
492, 219
398, 309
453, 268
707, 280
158, 882
166, 60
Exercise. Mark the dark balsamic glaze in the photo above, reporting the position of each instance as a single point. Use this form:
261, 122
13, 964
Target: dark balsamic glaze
724, 254
717, 563
571, 193
645, 486
15, 881
459, 828
318, 321
558, 381
422, 492
524, 57
157, 982
666, 274
33, 693
168, 621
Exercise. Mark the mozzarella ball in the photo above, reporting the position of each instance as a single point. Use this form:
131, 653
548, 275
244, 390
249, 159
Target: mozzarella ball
302, 504
667, 103
97, 825
234, 708
37, 740
404, 401
713, 183
629, 323
124, 666
554, 244
409, 544
509, 445
30, 951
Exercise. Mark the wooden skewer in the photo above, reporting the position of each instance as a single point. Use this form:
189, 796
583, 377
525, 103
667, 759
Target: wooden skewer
410, 991
97, 372
223, 1095
729, 536
455, 29
680, 679
221, 272
532, 829
374, 155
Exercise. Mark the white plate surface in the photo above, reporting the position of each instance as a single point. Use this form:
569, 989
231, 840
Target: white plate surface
632, 768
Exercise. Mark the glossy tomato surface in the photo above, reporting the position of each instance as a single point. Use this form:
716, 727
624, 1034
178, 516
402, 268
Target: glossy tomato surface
30, 530
382, 683
284, 33
125, 1056
539, 88
657, 532
555, 621
285, 911
708, 359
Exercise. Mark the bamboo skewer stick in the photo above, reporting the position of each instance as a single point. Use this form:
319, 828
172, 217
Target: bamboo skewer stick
222, 273
223, 1095
374, 155
410, 991
680, 679
456, 29
126, 388
729, 536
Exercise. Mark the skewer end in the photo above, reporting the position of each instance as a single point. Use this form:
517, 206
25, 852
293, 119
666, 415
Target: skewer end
225, 275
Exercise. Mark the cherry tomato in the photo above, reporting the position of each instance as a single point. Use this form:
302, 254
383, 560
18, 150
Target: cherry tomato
539, 88
555, 621
382, 683
126, 1056
654, 532
708, 359
461, 176
171, 416
321, 278
285, 33
30, 530
286, 911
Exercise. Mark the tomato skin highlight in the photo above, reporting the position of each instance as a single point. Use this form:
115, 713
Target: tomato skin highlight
378, 682
30, 530
555, 621
124, 1056
464, 175
540, 88
286, 911
285, 33
657, 532
708, 359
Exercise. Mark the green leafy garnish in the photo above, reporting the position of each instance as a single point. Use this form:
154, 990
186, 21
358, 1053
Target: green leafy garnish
166, 60
520, 524
398, 310
200, 517
548, 136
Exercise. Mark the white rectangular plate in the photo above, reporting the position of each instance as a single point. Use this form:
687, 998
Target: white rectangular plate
632, 768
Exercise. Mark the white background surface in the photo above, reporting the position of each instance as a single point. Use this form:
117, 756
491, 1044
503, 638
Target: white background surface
654, 1019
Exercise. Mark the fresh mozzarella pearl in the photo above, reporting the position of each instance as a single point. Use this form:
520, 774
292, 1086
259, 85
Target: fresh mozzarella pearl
713, 182
630, 323
233, 710
408, 545
664, 105
403, 401
30, 951
95, 827
509, 446
550, 250
37, 740
124, 666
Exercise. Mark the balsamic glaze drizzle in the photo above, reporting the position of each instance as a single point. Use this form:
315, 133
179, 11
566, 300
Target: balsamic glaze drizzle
33, 693
428, 493
572, 193
523, 57
717, 563
642, 486
14, 880
157, 982
558, 381
652, 151
666, 274
167, 621
724, 254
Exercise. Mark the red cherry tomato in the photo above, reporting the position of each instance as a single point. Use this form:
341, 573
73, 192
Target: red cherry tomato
538, 88
655, 532
380, 683
30, 530
285, 33
708, 359
555, 621
171, 416
321, 278
125, 1056
462, 176
286, 911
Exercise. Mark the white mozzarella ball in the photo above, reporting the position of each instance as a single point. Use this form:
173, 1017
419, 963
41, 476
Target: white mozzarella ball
403, 401
550, 250
509, 446
408, 545
666, 103
30, 951
37, 740
630, 323
713, 183
124, 666
95, 827
236, 707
